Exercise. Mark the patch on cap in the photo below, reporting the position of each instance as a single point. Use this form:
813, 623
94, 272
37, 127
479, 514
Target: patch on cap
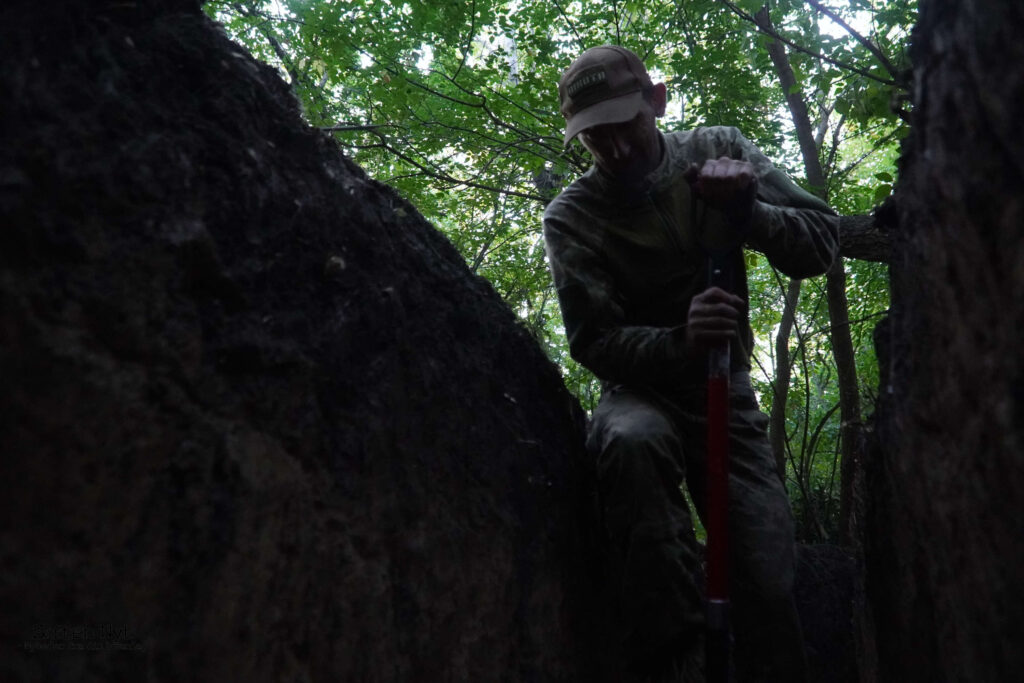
587, 79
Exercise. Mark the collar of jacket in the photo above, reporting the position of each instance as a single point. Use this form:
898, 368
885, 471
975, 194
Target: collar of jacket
652, 181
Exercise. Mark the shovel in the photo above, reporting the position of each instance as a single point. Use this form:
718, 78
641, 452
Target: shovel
718, 639
721, 247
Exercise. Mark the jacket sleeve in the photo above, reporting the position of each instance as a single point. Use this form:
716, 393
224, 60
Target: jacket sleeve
595, 323
798, 232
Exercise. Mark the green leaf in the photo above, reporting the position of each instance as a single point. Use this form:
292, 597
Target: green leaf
881, 192
751, 6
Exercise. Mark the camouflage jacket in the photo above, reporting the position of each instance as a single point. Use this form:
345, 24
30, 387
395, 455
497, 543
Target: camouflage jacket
627, 262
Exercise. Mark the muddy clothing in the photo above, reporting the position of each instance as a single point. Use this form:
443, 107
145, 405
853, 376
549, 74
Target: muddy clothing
626, 264
646, 445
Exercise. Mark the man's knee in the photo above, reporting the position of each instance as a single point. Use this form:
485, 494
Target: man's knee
640, 452
640, 470
627, 423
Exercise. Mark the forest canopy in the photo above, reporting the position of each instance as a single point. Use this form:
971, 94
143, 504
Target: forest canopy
455, 105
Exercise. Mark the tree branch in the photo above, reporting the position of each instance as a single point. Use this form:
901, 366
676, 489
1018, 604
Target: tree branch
861, 238
342, 127
469, 39
817, 55
451, 180
572, 26
871, 47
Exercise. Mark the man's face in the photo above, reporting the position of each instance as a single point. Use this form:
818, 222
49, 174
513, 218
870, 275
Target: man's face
627, 151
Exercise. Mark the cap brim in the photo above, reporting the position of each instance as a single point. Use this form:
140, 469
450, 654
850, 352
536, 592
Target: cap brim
615, 110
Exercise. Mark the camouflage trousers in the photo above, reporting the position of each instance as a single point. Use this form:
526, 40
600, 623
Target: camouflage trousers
646, 446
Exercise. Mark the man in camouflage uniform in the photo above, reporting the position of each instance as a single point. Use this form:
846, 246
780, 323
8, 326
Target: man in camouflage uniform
632, 278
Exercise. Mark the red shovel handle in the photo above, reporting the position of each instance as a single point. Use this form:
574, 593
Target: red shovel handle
718, 480
718, 636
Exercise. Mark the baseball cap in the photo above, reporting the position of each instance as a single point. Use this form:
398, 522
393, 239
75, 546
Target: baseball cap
604, 85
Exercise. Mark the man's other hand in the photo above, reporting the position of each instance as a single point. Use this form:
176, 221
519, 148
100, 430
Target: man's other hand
713, 318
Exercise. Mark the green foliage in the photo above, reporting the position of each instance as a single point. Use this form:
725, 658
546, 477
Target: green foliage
455, 105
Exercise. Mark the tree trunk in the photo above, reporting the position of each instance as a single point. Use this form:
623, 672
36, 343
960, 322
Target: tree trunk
849, 395
944, 535
783, 371
838, 310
